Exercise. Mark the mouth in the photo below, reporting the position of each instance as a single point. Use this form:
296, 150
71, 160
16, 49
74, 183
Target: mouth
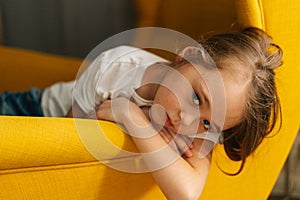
168, 121
160, 118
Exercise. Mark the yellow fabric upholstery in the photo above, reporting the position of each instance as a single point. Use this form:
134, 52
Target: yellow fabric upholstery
281, 20
23, 69
44, 158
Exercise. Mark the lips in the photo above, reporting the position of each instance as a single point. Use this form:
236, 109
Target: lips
168, 121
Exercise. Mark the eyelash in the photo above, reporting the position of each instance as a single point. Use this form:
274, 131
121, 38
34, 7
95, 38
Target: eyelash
206, 124
196, 98
197, 101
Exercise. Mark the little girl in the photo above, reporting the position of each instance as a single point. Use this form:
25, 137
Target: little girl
156, 104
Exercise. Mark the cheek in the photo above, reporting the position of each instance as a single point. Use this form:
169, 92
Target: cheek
166, 98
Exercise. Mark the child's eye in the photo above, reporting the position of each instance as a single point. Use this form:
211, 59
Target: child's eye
196, 98
206, 124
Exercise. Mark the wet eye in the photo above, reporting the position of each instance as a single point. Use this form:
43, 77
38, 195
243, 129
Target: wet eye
206, 124
196, 98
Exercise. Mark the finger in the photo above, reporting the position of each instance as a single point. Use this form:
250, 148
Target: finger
185, 139
166, 134
182, 145
188, 141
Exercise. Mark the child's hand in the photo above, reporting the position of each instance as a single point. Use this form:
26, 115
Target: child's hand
121, 109
178, 142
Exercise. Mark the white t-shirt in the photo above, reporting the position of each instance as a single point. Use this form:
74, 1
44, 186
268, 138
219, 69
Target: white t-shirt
114, 73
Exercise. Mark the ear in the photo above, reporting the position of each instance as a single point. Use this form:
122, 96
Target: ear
186, 52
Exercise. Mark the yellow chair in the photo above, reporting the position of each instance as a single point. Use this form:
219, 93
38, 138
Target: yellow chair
44, 158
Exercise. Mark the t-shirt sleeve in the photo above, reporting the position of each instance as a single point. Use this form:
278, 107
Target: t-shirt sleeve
87, 92
97, 83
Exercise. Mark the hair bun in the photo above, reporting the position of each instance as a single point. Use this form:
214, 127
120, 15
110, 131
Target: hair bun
274, 57
271, 54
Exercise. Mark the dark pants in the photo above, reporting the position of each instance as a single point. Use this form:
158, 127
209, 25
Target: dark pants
21, 103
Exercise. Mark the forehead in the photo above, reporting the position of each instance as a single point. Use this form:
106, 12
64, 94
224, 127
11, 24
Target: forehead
236, 91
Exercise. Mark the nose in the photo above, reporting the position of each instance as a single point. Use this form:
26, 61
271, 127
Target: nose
187, 119
185, 123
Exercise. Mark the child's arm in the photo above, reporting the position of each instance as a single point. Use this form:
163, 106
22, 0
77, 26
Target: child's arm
75, 109
183, 178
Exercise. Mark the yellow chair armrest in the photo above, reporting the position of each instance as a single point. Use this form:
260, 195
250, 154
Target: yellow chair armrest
44, 158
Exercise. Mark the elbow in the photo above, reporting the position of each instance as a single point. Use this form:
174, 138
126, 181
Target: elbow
190, 192
192, 195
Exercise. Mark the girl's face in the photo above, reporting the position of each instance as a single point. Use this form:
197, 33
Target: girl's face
182, 103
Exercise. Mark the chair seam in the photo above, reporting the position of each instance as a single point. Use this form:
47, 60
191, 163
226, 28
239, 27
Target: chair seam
261, 13
49, 168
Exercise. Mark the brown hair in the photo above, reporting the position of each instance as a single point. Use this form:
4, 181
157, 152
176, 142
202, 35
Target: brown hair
253, 50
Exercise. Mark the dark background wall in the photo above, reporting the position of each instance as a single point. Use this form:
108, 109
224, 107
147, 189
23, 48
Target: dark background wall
75, 27
66, 27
